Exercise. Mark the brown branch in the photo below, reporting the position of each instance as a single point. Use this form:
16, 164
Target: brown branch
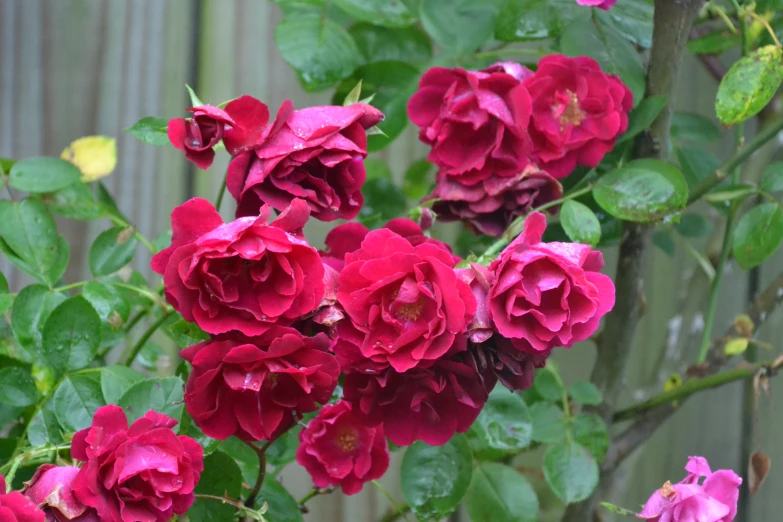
261, 452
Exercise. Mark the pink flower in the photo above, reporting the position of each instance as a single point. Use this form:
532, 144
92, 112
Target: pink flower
547, 294
15, 507
338, 450
602, 4
240, 126
51, 489
715, 500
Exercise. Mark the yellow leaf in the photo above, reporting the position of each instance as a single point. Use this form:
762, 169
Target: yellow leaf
95, 156
735, 347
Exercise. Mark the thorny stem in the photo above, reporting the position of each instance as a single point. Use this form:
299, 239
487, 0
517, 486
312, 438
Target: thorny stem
126, 359
396, 514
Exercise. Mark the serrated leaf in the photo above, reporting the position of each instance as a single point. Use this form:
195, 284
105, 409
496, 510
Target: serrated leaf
77, 399
282, 507
548, 385
71, 335
111, 250
29, 313
583, 392
570, 471
44, 428
758, 235
380, 44
523, 20
749, 85
459, 26
116, 380
503, 427
186, 334
164, 395
499, 493
221, 478
17, 387
580, 223
152, 130
548, 423
75, 202
591, 431
379, 12
42, 174
30, 232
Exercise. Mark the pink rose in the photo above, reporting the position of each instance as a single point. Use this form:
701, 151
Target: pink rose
51, 489
602, 4
15, 507
316, 154
245, 275
547, 294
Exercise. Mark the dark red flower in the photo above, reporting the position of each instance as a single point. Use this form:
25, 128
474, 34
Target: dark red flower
255, 388
488, 207
475, 121
406, 300
240, 126
548, 294
15, 507
513, 366
145, 472
337, 449
245, 275
316, 154
578, 112
51, 489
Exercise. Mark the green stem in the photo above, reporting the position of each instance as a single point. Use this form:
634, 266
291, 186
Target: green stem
152, 296
310, 495
221, 193
120, 222
69, 287
399, 511
19, 459
127, 359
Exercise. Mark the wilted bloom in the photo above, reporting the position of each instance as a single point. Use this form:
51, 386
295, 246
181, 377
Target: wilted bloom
339, 450
715, 500
51, 489
15, 507
513, 364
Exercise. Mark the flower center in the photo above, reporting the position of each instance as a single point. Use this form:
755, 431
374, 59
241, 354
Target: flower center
566, 109
667, 491
346, 440
410, 311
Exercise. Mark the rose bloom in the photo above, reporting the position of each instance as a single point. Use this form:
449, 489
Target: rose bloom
715, 500
145, 472
316, 154
255, 388
475, 121
245, 275
602, 4
15, 507
547, 294
51, 489
578, 112
406, 300
488, 207
240, 125
338, 450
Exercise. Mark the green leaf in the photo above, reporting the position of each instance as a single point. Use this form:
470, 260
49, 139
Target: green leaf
195, 101
715, 42
580, 223
187, 427
618, 510
522, 20
164, 395
111, 250
583, 392
383, 200
77, 399
694, 225
43, 174
696, 164
632, 18
71, 335
503, 427
663, 240
246, 458
548, 385
381, 44
6, 299
591, 432
499, 493
282, 506
643, 190
150, 130
418, 181
548, 423
609, 48
758, 235
379, 12
283, 449
749, 85
377, 169
221, 478
43, 428
435, 478
17, 387
75, 202
459, 26
642, 116
29, 313
29, 231
111, 307
691, 126
772, 178
570, 471
116, 380
6, 164
321, 52
186, 334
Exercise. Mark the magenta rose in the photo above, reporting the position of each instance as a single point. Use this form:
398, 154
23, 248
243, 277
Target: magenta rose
488, 207
547, 294
715, 500
578, 112
246, 275
240, 126
316, 154
602, 4
337, 449
475, 121
51, 489
255, 388
145, 472
406, 300
15, 507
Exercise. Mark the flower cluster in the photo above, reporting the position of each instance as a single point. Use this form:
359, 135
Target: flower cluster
502, 136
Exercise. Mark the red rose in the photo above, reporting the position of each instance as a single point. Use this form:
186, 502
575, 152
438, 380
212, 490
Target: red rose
578, 112
15, 507
428, 404
316, 154
490, 206
240, 126
51, 489
548, 294
145, 472
254, 387
475, 121
338, 450
406, 300
513, 366
245, 275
